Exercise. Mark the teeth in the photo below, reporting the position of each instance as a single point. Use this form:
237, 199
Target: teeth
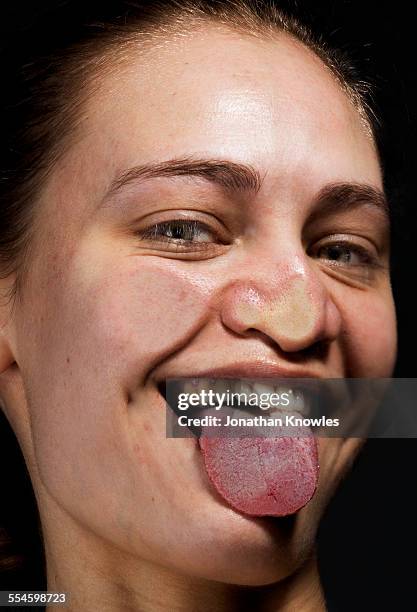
298, 400
220, 386
262, 388
190, 386
245, 387
263, 391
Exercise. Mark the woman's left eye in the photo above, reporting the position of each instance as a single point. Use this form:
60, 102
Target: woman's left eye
181, 231
344, 254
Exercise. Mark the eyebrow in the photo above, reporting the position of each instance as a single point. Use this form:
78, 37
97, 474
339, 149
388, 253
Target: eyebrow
338, 197
244, 178
227, 174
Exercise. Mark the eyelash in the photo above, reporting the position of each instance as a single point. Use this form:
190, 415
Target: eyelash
192, 228
367, 259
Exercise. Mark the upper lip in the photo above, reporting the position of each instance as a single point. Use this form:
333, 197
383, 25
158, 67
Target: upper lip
259, 370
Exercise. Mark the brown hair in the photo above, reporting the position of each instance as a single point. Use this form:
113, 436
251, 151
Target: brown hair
52, 65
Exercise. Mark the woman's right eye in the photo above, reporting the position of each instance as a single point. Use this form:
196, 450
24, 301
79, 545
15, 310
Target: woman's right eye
180, 231
185, 237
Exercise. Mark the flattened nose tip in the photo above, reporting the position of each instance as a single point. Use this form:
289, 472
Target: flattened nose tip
295, 318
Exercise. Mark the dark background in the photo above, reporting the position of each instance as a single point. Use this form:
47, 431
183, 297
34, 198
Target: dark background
368, 539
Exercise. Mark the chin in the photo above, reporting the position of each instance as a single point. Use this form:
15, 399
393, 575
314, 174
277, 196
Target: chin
247, 551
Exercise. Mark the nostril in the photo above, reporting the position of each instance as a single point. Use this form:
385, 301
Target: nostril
318, 350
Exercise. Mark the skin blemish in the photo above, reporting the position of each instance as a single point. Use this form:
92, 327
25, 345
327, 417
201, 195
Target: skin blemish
138, 452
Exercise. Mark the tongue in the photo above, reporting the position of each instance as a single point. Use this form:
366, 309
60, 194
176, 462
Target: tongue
262, 476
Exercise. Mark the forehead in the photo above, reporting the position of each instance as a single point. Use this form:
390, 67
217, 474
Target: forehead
216, 93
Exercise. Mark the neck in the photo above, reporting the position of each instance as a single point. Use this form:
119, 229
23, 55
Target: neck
302, 592
98, 576
144, 587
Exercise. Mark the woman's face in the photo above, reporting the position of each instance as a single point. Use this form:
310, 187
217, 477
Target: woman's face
284, 277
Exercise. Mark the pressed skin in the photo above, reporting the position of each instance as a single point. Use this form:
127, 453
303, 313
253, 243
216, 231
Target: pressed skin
290, 312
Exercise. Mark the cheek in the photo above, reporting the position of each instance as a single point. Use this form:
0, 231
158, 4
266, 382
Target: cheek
100, 338
370, 334
144, 315
119, 321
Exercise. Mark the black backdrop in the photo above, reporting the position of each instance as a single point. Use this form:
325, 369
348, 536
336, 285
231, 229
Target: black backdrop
368, 539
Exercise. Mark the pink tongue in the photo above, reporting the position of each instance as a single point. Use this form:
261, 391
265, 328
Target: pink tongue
262, 476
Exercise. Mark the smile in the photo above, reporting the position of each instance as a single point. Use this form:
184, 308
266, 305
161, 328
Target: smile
237, 395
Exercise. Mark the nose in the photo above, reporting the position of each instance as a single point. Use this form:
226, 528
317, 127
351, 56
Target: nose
291, 307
